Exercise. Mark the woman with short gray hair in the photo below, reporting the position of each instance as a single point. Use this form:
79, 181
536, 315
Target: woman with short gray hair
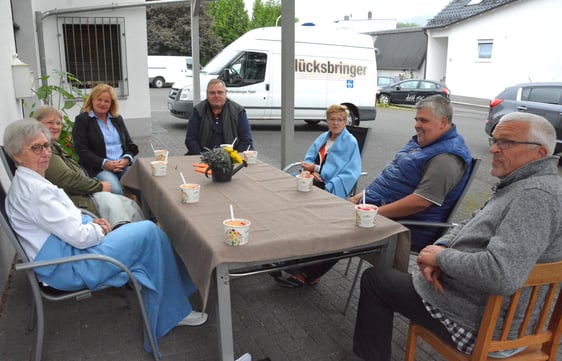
49, 226
86, 192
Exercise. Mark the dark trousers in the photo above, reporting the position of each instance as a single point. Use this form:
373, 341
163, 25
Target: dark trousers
384, 292
315, 271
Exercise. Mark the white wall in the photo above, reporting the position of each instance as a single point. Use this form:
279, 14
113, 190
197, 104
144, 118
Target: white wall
526, 47
136, 107
10, 111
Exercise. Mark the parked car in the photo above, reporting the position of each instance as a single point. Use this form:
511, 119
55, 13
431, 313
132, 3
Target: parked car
544, 99
411, 90
385, 80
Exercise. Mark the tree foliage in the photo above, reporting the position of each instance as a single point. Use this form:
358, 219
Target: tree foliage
231, 19
220, 23
169, 31
265, 14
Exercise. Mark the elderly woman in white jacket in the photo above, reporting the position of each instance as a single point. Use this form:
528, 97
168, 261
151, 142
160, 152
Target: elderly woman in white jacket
50, 226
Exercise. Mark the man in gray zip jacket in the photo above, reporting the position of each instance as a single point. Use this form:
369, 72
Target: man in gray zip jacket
492, 253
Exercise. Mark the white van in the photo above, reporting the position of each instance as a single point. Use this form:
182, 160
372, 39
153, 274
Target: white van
164, 69
331, 66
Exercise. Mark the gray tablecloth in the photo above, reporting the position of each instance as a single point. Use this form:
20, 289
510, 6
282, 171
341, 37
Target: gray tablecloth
285, 223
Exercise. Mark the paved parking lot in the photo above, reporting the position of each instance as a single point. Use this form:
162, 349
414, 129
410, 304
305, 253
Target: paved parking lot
269, 321
281, 324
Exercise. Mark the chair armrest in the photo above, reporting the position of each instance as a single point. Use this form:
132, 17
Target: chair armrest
291, 165
82, 257
406, 222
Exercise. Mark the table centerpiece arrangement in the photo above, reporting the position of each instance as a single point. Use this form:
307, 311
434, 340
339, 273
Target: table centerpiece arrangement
222, 163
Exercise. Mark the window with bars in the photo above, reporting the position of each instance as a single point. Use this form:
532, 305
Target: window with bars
93, 50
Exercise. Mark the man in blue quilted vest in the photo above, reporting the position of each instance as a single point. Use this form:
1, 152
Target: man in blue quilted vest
423, 182
427, 176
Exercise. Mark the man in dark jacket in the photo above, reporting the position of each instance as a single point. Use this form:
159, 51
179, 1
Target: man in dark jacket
218, 120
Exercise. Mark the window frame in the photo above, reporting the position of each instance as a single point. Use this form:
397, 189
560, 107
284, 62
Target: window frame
482, 54
105, 33
550, 95
242, 66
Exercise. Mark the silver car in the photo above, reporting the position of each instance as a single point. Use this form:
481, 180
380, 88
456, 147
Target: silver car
543, 99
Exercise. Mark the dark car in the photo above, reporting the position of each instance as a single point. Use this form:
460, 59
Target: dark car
411, 90
543, 99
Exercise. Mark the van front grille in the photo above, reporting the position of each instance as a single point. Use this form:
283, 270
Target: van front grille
173, 93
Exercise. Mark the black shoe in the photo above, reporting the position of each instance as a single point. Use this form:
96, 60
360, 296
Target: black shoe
288, 281
275, 274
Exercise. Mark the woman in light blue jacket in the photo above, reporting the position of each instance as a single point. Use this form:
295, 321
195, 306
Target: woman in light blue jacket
335, 163
334, 159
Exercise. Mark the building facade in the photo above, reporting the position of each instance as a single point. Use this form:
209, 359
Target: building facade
96, 40
481, 47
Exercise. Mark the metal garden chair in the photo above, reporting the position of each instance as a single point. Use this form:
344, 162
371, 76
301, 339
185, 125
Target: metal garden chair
42, 292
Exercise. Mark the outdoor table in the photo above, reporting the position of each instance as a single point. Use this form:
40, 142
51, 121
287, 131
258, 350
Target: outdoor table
286, 225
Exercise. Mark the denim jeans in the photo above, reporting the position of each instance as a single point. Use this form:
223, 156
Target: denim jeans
113, 179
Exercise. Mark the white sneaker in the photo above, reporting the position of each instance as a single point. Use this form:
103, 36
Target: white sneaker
194, 319
245, 357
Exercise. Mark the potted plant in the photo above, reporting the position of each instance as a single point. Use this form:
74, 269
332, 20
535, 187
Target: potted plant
62, 99
222, 162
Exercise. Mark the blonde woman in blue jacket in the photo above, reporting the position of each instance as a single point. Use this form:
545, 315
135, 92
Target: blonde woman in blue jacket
334, 159
335, 163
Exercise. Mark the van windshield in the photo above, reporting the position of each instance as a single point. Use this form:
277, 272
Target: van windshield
217, 64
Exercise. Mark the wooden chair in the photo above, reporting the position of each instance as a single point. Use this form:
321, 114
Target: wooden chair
541, 340
443, 225
42, 292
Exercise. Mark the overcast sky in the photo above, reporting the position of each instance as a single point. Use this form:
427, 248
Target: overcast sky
318, 11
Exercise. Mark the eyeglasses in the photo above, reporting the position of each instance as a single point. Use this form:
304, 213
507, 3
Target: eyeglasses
506, 144
38, 148
336, 120
220, 92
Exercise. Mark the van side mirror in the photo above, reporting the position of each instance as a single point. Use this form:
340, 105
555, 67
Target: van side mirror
226, 76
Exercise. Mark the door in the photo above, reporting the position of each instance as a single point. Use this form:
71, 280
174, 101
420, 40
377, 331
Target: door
426, 89
543, 100
245, 82
547, 102
405, 92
